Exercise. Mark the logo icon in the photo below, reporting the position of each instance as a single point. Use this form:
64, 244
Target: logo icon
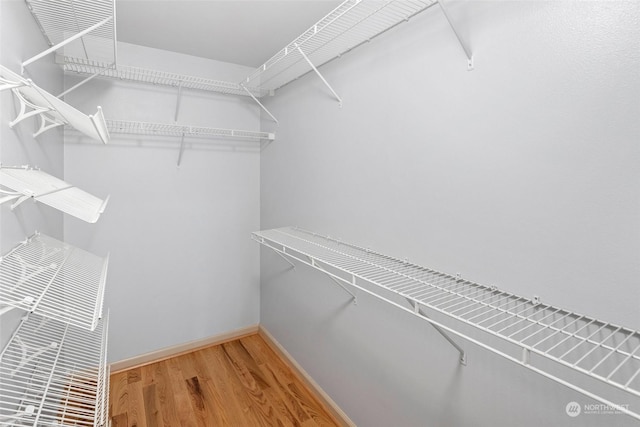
573, 409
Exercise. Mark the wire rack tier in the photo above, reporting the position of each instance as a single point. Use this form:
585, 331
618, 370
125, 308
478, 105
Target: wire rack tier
53, 374
55, 280
53, 112
536, 333
26, 183
85, 67
163, 129
61, 19
350, 24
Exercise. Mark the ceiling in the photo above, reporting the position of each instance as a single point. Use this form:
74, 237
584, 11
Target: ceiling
246, 32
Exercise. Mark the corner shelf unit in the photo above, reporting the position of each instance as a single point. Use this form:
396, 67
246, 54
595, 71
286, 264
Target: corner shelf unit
52, 111
559, 344
54, 374
54, 280
26, 183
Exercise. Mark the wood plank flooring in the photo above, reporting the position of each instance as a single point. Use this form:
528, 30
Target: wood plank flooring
238, 383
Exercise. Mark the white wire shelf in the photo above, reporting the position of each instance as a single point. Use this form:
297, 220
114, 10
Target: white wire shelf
55, 280
53, 374
27, 183
535, 333
163, 129
60, 20
350, 24
85, 67
52, 111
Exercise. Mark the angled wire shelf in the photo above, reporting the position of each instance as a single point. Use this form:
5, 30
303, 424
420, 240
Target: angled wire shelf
86, 29
350, 24
536, 333
53, 374
55, 280
86, 67
25, 183
163, 129
53, 112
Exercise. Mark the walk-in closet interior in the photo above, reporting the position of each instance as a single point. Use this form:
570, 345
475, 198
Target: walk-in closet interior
427, 211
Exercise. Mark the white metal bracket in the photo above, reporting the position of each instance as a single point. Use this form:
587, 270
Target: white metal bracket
47, 123
23, 113
320, 75
354, 299
420, 312
181, 149
463, 44
88, 79
259, 103
65, 42
7, 84
25, 357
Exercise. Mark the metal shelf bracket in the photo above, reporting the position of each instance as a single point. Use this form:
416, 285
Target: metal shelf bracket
320, 75
420, 312
463, 44
259, 103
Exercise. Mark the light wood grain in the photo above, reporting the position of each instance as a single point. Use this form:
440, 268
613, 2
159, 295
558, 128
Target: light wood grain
238, 383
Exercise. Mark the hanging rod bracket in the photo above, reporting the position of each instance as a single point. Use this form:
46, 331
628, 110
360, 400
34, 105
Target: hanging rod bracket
420, 312
320, 75
463, 44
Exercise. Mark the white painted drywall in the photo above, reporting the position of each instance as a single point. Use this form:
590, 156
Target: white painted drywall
522, 173
20, 39
182, 264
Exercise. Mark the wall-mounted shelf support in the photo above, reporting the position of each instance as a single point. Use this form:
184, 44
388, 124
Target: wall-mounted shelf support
589, 356
463, 44
181, 149
66, 42
418, 310
88, 79
259, 103
354, 298
306, 58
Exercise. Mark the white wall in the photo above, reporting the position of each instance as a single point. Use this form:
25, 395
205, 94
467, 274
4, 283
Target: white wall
522, 173
20, 39
182, 264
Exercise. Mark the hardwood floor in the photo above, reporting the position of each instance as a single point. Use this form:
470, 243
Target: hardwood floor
238, 383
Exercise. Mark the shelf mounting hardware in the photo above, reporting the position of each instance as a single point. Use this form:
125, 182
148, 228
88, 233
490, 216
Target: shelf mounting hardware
181, 149
65, 42
354, 299
259, 103
88, 79
419, 311
320, 75
463, 44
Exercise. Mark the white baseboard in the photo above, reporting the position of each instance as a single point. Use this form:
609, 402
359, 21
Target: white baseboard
299, 371
176, 350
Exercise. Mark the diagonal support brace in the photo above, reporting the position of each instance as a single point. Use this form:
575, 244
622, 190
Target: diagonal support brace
65, 42
419, 311
320, 75
259, 103
463, 44
354, 299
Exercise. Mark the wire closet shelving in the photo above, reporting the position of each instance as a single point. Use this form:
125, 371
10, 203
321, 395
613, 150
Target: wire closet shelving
81, 28
54, 280
26, 183
53, 112
54, 374
554, 342
349, 25
165, 129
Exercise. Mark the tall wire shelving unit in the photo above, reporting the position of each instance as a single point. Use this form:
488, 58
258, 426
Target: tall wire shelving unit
593, 357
